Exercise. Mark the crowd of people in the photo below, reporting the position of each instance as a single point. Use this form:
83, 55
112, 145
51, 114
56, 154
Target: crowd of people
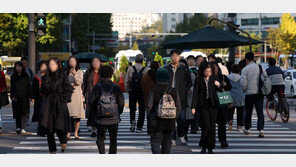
177, 99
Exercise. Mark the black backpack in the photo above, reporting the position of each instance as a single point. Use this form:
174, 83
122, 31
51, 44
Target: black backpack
136, 81
107, 103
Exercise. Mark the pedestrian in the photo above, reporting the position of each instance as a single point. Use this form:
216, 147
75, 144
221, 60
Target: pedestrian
223, 68
211, 58
20, 96
31, 75
222, 110
148, 80
161, 129
134, 87
36, 96
107, 103
205, 88
3, 92
193, 73
54, 116
238, 97
90, 79
199, 59
277, 79
229, 65
75, 107
250, 83
181, 81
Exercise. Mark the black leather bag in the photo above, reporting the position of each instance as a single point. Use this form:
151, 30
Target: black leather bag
4, 98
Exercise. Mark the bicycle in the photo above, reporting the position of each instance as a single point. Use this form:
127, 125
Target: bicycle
279, 105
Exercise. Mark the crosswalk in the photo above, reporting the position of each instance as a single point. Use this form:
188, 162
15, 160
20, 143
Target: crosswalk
278, 139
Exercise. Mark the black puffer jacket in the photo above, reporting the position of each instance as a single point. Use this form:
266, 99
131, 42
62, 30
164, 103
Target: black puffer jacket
154, 97
94, 98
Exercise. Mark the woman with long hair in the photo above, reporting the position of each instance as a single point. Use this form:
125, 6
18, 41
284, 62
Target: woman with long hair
54, 116
205, 88
222, 110
90, 79
20, 96
36, 96
75, 107
148, 80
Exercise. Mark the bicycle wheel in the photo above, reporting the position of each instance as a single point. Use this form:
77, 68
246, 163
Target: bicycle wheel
271, 109
284, 110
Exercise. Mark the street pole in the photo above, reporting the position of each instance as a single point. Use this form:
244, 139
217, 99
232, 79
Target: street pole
231, 29
265, 51
70, 42
31, 42
93, 49
88, 32
130, 37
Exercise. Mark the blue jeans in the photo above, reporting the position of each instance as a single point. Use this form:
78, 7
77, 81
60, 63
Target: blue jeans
250, 101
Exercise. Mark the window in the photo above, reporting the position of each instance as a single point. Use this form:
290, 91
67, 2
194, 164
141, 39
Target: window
173, 26
247, 22
173, 19
270, 21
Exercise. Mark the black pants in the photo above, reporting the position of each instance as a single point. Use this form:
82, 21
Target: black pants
112, 129
134, 98
239, 113
161, 142
20, 122
51, 140
208, 116
279, 89
250, 101
222, 120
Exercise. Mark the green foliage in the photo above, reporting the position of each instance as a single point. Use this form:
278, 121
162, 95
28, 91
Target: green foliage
255, 48
159, 59
98, 22
135, 46
123, 64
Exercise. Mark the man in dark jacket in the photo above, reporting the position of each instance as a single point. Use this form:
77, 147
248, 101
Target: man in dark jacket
161, 129
181, 81
106, 123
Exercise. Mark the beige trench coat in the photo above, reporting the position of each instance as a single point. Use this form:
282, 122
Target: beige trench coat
75, 107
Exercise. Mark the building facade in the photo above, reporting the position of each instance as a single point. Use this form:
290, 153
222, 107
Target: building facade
126, 23
170, 20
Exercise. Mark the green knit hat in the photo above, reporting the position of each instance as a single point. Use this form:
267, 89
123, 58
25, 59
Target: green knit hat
162, 75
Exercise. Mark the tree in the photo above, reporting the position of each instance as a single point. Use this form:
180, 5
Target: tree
159, 59
123, 64
135, 46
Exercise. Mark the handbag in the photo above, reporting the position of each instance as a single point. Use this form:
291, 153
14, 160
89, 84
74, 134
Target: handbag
224, 98
4, 98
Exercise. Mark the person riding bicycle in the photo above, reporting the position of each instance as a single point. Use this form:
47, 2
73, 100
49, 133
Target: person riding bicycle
277, 79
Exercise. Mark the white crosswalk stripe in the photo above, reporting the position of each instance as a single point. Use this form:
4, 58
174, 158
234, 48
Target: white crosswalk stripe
278, 139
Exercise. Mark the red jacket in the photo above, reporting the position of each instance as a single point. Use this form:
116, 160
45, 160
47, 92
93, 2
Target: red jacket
2, 81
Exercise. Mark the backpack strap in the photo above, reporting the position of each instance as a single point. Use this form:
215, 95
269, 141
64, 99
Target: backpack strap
111, 89
260, 69
143, 68
135, 70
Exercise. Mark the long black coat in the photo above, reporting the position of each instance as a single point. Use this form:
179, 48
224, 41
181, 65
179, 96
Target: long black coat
56, 92
183, 83
155, 94
199, 99
20, 89
36, 95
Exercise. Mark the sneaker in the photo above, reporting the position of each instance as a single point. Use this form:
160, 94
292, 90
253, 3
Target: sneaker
247, 132
230, 125
139, 131
240, 129
93, 134
183, 141
210, 151
18, 130
23, 131
203, 150
261, 134
173, 142
224, 145
133, 126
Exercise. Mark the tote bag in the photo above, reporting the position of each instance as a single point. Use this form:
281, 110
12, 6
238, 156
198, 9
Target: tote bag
4, 98
224, 98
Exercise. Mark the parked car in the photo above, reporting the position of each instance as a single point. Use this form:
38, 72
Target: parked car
290, 83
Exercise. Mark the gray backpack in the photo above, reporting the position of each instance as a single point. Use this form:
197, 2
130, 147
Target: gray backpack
107, 103
166, 107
